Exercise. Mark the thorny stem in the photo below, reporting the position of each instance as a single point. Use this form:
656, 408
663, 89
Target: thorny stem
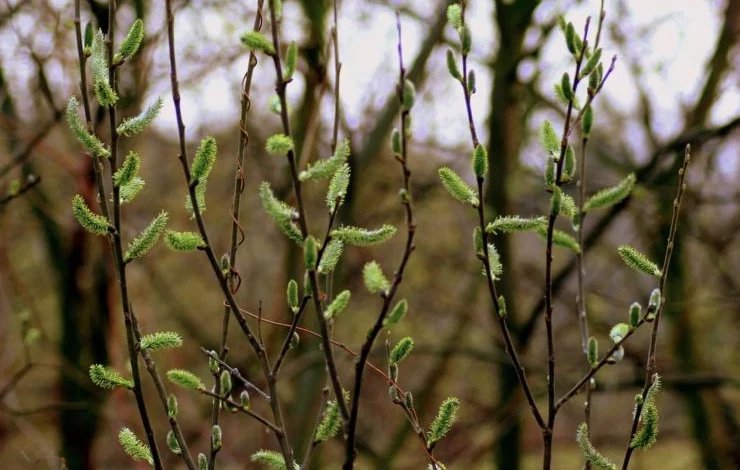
388, 297
281, 85
237, 233
650, 365
208, 249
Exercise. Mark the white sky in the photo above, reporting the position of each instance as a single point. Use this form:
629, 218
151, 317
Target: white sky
674, 55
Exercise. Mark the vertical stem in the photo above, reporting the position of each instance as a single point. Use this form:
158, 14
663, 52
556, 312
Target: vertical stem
650, 365
236, 230
259, 350
131, 342
372, 335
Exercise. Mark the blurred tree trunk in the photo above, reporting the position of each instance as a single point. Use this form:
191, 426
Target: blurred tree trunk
505, 134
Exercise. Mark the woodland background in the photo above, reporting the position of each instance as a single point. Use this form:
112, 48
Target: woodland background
59, 310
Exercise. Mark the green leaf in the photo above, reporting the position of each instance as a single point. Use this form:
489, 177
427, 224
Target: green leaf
375, 280
128, 170
204, 159
257, 42
401, 350
363, 237
331, 255
172, 443
444, 420
338, 187
637, 261
172, 407
88, 39
550, 172
310, 253
565, 87
183, 241
593, 61
279, 144
397, 313
216, 437
570, 38
458, 188
185, 379
556, 201
337, 305
515, 223
635, 315
610, 196
133, 446
89, 141
225, 383
93, 223
161, 340
408, 95
327, 167
104, 377
550, 140
291, 294
480, 161
588, 122
146, 240
290, 60
589, 452
131, 42
466, 39
452, 65
593, 351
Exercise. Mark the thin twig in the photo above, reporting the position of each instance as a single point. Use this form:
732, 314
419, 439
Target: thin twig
208, 249
650, 366
509, 343
31, 181
120, 266
388, 297
237, 233
281, 85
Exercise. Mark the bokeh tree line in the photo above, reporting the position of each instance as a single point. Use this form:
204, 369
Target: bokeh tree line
58, 305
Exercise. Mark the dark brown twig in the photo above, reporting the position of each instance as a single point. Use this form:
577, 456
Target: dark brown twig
650, 365
388, 297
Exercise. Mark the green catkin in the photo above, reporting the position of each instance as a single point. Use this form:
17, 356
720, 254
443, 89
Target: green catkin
161, 340
443, 421
637, 261
457, 188
375, 280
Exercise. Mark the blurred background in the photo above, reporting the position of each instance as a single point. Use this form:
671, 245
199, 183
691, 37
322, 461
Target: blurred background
676, 82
